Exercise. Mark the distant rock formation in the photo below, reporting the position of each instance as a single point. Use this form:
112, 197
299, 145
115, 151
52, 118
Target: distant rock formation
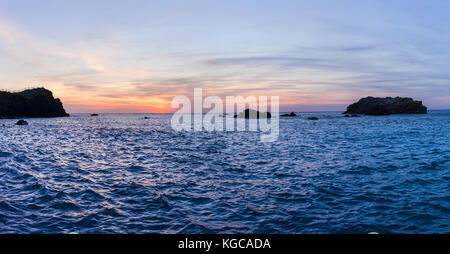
94, 114
292, 114
37, 102
313, 118
253, 114
386, 106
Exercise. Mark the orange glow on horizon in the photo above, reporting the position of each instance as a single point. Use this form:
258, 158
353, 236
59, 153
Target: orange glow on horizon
117, 105
123, 100
156, 104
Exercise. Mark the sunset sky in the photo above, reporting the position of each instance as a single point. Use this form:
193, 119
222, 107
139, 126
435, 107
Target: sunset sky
135, 56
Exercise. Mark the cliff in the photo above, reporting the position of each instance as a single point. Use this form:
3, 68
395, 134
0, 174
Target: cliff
37, 102
386, 106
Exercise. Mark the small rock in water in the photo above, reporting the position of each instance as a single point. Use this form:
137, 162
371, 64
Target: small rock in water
313, 118
22, 122
291, 114
94, 114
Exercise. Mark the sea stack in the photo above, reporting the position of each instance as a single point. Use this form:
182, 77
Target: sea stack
385, 106
37, 102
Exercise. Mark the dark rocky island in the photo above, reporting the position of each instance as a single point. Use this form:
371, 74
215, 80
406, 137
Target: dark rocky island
36, 102
386, 106
253, 114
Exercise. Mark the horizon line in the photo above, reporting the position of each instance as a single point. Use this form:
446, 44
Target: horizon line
321, 111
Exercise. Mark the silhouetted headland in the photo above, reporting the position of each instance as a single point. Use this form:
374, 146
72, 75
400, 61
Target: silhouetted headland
36, 102
385, 106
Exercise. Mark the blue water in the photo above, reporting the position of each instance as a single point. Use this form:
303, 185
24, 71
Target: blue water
126, 174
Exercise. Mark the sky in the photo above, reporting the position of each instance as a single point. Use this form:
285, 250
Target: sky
135, 56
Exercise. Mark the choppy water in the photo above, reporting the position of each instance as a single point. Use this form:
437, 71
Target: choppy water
127, 174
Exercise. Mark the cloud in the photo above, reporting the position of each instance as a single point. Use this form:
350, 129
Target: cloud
376, 64
107, 68
7, 32
92, 54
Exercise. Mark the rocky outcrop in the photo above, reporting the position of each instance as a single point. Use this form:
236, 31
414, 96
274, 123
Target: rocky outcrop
386, 106
292, 114
313, 118
253, 114
22, 122
37, 102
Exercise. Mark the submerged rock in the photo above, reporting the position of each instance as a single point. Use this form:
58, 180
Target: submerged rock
22, 122
386, 106
94, 114
313, 118
289, 115
253, 114
37, 102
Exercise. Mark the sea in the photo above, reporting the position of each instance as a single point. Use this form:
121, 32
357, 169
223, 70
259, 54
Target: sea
123, 173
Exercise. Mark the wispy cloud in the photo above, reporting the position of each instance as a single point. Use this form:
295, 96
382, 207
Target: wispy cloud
136, 59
